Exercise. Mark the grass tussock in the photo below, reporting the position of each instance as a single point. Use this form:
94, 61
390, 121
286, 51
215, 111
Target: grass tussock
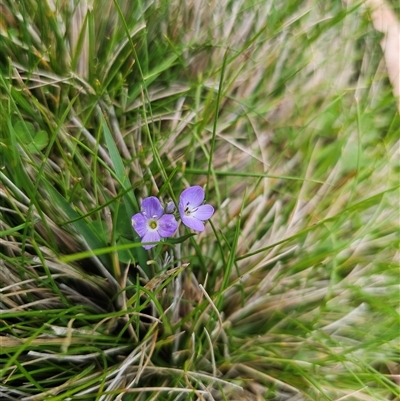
285, 113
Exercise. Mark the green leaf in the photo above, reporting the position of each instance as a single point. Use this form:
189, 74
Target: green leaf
100, 228
123, 224
130, 205
40, 141
179, 239
125, 255
24, 131
27, 136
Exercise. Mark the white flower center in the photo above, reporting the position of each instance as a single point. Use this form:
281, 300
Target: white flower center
152, 224
189, 210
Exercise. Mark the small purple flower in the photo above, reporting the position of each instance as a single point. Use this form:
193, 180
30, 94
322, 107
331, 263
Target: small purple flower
191, 209
152, 224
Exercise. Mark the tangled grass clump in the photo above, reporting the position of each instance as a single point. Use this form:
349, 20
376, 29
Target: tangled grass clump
290, 292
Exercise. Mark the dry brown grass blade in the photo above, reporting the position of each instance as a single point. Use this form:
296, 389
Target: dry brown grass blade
77, 29
8, 342
385, 21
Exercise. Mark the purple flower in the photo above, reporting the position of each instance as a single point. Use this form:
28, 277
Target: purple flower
152, 224
192, 212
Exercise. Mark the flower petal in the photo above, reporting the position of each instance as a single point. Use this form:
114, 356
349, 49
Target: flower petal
203, 212
170, 208
181, 208
151, 207
151, 236
192, 222
194, 196
139, 224
167, 225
